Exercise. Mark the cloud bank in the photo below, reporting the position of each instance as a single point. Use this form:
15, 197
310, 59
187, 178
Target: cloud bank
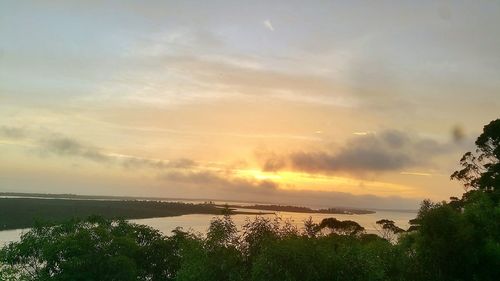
389, 150
217, 182
220, 185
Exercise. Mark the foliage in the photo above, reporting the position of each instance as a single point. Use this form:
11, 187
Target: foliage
481, 170
389, 230
299, 209
92, 249
346, 227
453, 244
215, 257
460, 239
448, 245
311, 228
324, 258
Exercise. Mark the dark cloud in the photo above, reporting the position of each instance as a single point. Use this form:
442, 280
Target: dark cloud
395, 139
458, 133
69, 147
12, 132
218, 184
389, 150
65, 146
220, 180
270, 161
350, 160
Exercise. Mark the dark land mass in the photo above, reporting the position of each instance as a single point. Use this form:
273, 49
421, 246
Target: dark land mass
411, 211
268, 206
297, 209
94, 197
117, 197
24, 212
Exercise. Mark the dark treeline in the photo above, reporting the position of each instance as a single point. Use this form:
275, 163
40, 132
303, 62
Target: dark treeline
458, 240
23, 212
100, 197
299, 209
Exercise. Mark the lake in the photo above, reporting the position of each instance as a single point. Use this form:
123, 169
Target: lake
200, 223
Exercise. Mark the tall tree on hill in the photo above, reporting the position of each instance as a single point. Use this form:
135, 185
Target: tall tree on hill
481, 170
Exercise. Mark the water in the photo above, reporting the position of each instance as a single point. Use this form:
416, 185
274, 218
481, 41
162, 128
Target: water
200, 223
11, 235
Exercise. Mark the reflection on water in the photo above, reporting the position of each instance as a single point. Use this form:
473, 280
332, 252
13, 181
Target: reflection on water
11, 235
199, 223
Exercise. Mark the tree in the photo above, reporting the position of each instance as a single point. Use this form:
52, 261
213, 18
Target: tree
460, 239
455, 240
311, 228
260, 230
481, 170
300, 259
215, 257
91, 249
222, 232
389, 230
425, 207
346, 227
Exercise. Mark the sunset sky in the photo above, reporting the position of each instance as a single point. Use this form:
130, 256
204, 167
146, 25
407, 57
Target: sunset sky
319, 103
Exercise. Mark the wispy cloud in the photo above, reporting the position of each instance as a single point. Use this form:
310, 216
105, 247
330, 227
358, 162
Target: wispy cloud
137, 162
268, 25
11, 132
64, 146
422, 174
361, 133
69, 147
228, 79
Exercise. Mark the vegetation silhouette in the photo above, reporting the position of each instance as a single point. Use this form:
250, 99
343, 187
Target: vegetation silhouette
23, 212
455, 240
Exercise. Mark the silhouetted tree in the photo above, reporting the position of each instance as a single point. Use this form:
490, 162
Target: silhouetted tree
346, 227
481, 170
311, 228
389, 230
226, 210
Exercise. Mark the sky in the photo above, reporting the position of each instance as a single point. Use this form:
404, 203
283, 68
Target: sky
317, 103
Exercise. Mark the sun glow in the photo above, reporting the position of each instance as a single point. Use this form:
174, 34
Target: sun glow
289, 180
259, 175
